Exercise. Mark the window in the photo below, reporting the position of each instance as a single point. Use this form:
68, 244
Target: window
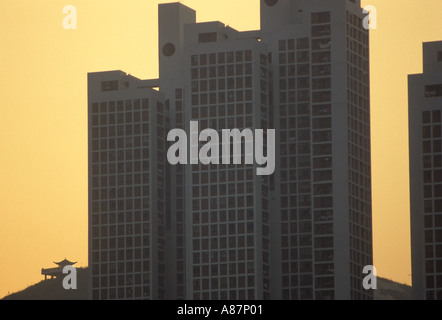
321, 57
436, 116
322, 149
195, 73
303, 83
109, 85
321, 70
203, 73
194, 60
433, 91
302, 56
322, 83
321, 44
221, 57
323, 162
212, 58
230, 70
230, 57
322, 175
321, 110
321, 17
303, 69
95, 108
426, 117
321, 96
303, 43
319, 31
437, 161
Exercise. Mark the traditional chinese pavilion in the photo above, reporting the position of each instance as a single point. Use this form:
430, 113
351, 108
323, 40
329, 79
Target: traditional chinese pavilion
55, 272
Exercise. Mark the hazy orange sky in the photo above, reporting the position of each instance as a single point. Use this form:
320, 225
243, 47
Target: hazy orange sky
43, 117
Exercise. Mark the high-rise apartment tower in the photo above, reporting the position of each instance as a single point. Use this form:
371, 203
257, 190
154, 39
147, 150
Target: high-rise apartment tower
425, 111
302, 232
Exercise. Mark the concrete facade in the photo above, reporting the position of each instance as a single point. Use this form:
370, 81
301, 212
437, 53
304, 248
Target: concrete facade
425, 142
303, 232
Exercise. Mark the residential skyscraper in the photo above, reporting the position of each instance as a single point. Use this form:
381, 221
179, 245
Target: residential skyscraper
127, 181
303, 232
425, 111
223, 84
320, 63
